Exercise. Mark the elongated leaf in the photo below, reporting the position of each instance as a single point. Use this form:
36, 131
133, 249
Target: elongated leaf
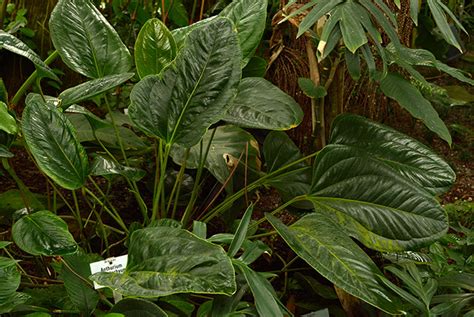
396, 87
155, 48
249, 17
261, 105
14, 45
7, 121
351, 28
228, 143
353, 64
442, 22
374, 203
264, 301
319, 10
89, 89
164, 261
4, 152
193, 93
321, 242
43, 233
10, 277
131, 307
53, 143
102, 166
406, 156
279, 150
75, 276
13, 301
86, 42
240, 233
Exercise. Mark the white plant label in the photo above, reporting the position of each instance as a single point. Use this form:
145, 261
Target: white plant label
115, 264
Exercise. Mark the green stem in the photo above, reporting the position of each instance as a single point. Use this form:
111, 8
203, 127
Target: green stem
24, 191
259, 182
278, 210
31, 80
177, 186
160, 178
114, 214
131, 183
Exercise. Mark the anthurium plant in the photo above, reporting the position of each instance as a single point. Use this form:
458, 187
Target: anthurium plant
185, 126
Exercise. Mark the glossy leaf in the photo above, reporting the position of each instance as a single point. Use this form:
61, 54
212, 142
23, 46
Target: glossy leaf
228, 144
180, 105
85, 40
352, 30
43, 233
52, 141
155, 48
408, 157
10, 277
373, 202
89, 89
409, 97
164, 261
131, 307
278, 151
102, 166
321, 242
265, 302
249, 17
75, 276
261, 105
180, 34
7, 121
14, 45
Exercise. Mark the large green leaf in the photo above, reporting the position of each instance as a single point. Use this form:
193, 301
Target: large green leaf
75, 276
10, 277
278, 151
13, 200
43, 233
52, 141
13, 301
352, 30
405, 155
249, 17
132, 307
195, 91
87, 43
409, 97
164, 261
7, 121
321, 242
155, 48
373, 202
227, 145
261, 105
89, 89
436, 8
14, 45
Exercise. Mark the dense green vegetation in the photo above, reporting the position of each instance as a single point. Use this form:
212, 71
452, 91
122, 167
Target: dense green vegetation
168, 145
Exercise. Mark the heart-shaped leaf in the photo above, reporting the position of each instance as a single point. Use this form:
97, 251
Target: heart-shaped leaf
261, 105
86, 41
249, 17
165, 260
195, 91
52, 141
43, 233
374, 203
89, 89
155, 48
322, 243
405, 155
227, 145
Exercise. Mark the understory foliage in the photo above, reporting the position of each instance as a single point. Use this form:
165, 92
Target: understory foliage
185, 130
